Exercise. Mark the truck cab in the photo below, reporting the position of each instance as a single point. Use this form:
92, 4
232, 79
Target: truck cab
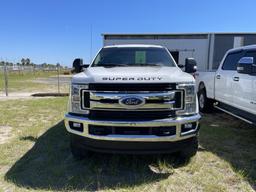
133, 99
232, 88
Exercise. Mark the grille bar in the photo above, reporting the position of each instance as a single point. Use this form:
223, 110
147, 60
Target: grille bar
149, 96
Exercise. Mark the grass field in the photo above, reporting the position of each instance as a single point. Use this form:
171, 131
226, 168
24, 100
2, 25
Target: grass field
39, 81
35, 156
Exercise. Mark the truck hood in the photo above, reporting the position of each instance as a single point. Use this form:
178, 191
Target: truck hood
132, 75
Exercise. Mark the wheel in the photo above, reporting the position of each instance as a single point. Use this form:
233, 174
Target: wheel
78, 152
205, 104
190, 150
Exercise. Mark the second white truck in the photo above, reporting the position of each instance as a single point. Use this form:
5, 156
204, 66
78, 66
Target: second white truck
232, 88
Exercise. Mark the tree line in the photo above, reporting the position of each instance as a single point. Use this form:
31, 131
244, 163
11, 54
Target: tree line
27, 62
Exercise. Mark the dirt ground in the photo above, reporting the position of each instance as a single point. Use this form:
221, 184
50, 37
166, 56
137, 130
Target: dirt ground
5, 134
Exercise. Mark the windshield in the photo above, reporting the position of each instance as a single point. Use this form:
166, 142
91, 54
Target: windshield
133, 56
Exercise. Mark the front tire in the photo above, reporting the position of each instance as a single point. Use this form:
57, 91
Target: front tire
205, 104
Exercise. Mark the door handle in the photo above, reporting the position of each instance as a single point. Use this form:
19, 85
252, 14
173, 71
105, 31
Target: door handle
236, 78
217, 76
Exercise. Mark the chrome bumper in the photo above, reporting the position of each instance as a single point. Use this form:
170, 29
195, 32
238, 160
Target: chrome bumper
151, 123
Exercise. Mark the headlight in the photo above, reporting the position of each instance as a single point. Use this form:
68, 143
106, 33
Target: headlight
190, 101
76, 95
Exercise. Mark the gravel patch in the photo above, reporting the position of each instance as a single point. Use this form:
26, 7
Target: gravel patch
30, 95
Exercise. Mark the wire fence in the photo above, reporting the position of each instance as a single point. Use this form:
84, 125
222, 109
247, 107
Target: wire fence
18, 80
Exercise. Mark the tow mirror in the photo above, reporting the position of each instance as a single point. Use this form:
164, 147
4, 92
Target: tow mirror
246, 65
190, 65
181, 66
78, 65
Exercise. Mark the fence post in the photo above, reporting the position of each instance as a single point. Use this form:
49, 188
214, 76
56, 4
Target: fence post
58, 68
34, 70
5, 79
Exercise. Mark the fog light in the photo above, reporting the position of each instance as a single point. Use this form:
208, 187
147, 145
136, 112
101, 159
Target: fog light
188, 126
76, 126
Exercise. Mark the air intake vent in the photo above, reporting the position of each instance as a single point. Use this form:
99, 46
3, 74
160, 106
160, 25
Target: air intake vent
115, 130
85, 99
129, 115
132, 86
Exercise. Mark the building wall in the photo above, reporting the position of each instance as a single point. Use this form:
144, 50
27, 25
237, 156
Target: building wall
189, 47
249, 39
207, 49
224, 42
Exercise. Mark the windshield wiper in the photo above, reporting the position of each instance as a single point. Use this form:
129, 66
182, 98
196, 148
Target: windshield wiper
111, 65
128, 65
149, 64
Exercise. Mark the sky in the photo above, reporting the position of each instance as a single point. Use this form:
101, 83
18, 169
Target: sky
58, 31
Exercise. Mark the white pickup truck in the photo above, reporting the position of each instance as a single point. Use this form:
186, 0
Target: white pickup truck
133, 99
232, 88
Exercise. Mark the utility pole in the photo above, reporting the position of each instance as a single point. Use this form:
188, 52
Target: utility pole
91, 44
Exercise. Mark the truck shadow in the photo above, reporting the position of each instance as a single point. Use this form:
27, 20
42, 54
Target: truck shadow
232, 140
49, 165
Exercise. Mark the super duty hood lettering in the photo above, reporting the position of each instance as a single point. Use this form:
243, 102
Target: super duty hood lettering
131, 78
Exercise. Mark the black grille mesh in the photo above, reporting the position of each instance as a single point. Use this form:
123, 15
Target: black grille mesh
107, 130
132, 86
129, 115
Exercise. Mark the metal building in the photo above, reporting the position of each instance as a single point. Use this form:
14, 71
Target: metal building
207, 48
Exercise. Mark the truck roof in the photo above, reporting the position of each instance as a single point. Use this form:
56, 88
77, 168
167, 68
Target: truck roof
133, 45
248, 47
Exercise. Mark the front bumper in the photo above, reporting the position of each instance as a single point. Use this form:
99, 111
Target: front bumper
135, 147
177, 122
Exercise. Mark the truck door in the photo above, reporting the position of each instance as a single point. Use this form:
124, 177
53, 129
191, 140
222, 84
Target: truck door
224, 77
244, 89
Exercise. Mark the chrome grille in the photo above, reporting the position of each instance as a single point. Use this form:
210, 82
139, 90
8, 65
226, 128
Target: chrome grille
158, 104
154, 101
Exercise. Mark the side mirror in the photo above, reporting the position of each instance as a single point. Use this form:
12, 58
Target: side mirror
190, 65
181, 66
246, 65
78, 65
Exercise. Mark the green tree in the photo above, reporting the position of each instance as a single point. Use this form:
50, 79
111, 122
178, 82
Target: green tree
27, 61
23, 61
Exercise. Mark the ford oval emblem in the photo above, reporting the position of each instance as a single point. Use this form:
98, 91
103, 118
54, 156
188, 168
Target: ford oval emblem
132, 101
